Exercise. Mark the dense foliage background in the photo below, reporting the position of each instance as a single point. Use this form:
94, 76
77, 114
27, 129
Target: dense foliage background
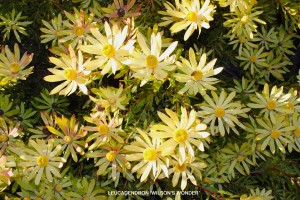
231, 162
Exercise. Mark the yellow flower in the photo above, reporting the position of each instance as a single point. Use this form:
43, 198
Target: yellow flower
253, 58
41, 160
70, 69
273, 133
70, 136
222, 110
150, 63
108, 158
234, 157
271, 103
242, 21
52, 32
189, 169
14, 24
12, 67
243, 42
78, 27
111, 51
150, 154
111, 99
196, 76
181, 133
103, 130
189, 14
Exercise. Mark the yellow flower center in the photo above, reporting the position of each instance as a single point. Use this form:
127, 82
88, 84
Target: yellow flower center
112, 100
219, 112
103, 129
297, 133
70, 74
242, 39
151, 61
240, 158
3, 138
38, 198
197, 75
108, 51
180, 135
275, 134
68, 139
42, 161
271, 104
206, 180
14, 27
26, 198
57, 32
191, 16
180, 168
58, 187
253, 58
111, 156
78, 31
150, 154
245, 19
14, 67
290, 105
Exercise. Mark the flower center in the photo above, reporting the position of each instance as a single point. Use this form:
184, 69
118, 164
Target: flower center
197, 75
271, 104
290, 105
57, 32
275, 134
121, 12
14, 67
245, 19
151, 61
112, 100
191, 16
297, 133
14, 27
180, 135
242, 39
253, 58
68, 139
70, 74
111, 156
103, 129
78, 31
42, 161
26, 198
3, 138
38, 198
219, 112
150, 154
58, 187
108, 51
180, 168
240, 158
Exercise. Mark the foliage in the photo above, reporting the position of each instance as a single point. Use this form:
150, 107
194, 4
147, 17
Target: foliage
101, 97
